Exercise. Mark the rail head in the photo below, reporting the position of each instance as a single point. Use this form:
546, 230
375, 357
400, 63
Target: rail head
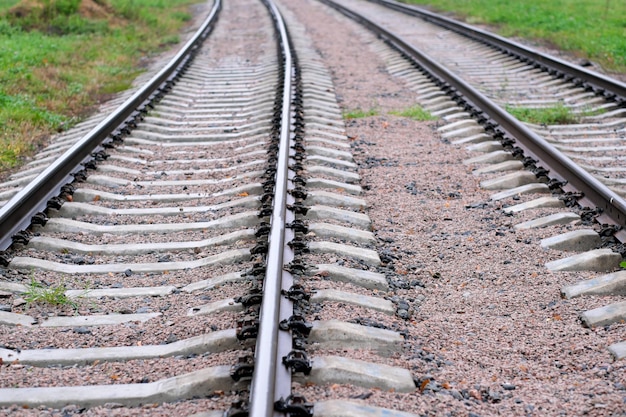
17, 213
271, 380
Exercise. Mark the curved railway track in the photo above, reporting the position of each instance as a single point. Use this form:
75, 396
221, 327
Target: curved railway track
198, 263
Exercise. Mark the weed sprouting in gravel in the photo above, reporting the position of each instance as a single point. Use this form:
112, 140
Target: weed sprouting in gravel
55, 295
416, 113
359, 113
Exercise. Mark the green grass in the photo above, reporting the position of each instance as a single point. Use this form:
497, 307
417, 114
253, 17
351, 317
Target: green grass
37, 293
359, 113
57, 61
593, 29
552, 115
415, 113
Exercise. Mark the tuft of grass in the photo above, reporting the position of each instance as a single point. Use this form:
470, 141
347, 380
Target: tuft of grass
37, 293
359, 113
415, 113
558, 114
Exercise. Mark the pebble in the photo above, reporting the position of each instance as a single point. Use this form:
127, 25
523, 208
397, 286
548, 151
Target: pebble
128, 272
78, 260
456, 394
81, 330
494, 396
403, 314
508, 387
142, 310
18, 302
5, 307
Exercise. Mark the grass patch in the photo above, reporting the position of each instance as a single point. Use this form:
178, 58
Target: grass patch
415, 113
592, 29
60, 58
359, 113
558, 114
37, 293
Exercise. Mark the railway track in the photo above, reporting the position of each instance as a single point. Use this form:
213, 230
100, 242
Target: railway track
236, 202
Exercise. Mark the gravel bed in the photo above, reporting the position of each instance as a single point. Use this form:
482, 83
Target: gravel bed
234, 48
491, 335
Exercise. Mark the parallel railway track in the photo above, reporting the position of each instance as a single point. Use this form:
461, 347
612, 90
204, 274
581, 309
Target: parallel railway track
199, 253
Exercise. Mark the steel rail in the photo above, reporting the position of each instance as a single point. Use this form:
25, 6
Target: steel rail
271, 380
495, 118
16, 214
580, 75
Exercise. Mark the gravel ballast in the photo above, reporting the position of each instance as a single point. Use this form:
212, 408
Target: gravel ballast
489, 334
